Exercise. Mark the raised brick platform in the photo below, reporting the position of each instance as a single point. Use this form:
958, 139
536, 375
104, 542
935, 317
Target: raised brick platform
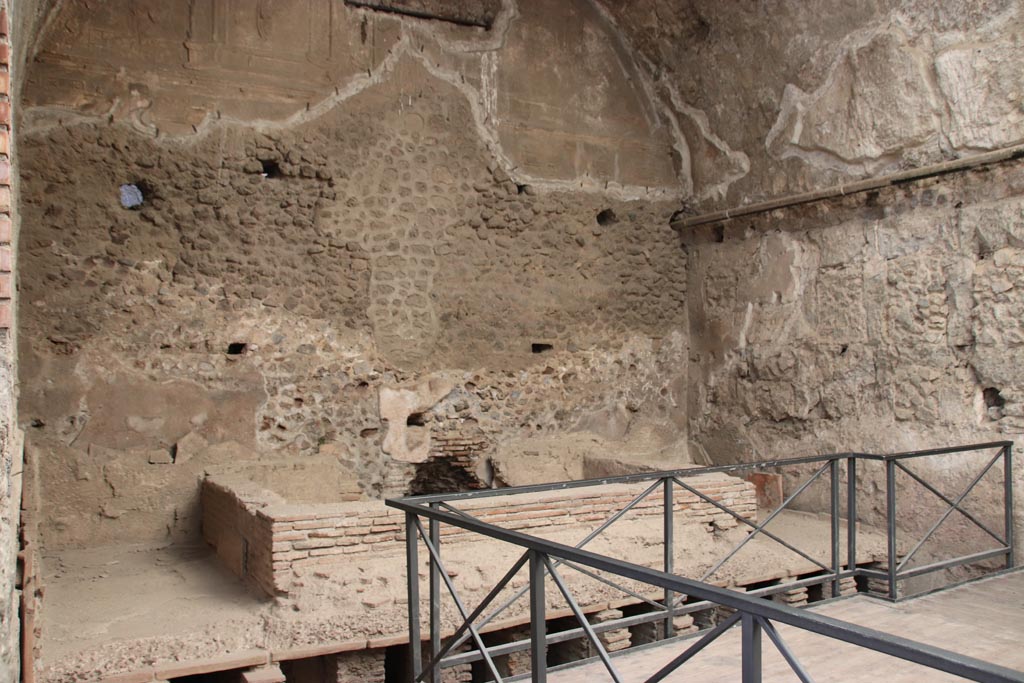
262, 537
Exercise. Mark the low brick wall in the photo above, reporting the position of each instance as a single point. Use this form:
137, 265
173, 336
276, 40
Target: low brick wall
243, 540
262, 538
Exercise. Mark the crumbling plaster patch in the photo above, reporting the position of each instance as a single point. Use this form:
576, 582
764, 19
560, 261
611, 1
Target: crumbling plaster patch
876, 104
405, 441
899, 93
468, 64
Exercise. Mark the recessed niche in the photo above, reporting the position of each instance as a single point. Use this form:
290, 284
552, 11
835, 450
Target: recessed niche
607, 217
540, 347
993, 399
237, 348
270, 169
416, 420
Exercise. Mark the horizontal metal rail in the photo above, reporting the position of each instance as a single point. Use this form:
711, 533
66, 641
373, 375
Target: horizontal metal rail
757, 614
626, 622
688, 472
896, 646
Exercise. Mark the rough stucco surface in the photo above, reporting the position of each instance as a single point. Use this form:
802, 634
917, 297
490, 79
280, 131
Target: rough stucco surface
810, 96
387, 251
551, 108
345, 208
882, 327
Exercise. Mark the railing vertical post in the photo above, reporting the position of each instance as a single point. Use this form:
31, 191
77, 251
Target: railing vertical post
890, 523
851, 514
669, 532
751, 649
412, 569
435, 598
538, 621
1008, 502
833, 470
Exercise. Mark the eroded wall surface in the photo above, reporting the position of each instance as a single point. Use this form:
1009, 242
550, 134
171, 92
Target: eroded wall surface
553, 89
884, 323
282, 282
782, 97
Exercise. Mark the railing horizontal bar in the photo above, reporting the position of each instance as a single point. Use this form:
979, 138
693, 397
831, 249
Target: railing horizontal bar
631, 478
873, 573
946, 450
689, 472
903, 648
557, 637
956, 561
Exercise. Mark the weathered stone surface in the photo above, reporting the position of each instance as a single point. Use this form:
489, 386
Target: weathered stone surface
401, 408
875, 102
340, 205
554, 109
814, 95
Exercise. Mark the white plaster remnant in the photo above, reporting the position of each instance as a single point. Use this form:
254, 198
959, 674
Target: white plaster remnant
405, 442
876, 103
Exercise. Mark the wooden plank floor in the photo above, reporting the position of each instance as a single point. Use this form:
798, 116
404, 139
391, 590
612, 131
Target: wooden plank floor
984, 619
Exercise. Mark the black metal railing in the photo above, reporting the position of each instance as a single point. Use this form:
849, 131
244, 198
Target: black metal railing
681, 596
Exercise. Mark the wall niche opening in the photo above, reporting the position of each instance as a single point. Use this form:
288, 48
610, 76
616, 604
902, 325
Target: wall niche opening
416, 420
993, 399
270, 169
607, 217
540, 347
237, 348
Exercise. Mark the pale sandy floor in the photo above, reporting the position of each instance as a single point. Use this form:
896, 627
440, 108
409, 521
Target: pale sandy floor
116, 608
984, 619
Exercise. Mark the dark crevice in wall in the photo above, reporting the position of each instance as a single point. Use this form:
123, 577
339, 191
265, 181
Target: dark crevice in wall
607, 217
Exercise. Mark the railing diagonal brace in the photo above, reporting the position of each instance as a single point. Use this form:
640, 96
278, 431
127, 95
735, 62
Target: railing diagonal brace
787, 654
458, 602
945, 499
455, 510
584, 623
609, 582
760, 527
590, 537
949, 511
690, 652
746, 521
454, 640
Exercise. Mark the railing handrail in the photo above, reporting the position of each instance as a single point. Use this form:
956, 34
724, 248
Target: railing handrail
689, 472
756, 613
896, 646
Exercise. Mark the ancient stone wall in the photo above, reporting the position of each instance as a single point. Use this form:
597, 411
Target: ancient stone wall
253, 290
781, 97
881, 322
10, 435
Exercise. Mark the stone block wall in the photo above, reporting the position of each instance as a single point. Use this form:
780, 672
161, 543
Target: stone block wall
407, 254
262, 540
882, 322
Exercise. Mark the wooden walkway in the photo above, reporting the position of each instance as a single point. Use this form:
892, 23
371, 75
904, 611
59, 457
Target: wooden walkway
984, 619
